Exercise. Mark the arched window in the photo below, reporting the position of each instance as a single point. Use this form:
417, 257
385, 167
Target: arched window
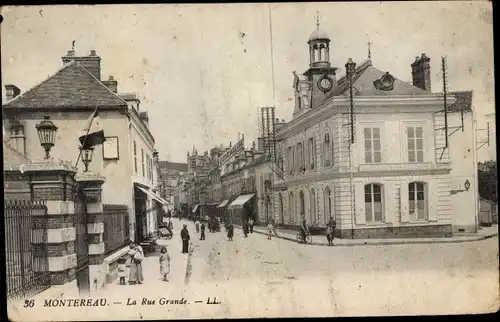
312, 202
374, 211
417, 200
327, 202
291, 207
327, 151
302, 208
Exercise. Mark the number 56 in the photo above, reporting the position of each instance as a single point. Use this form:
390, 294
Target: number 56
29, 303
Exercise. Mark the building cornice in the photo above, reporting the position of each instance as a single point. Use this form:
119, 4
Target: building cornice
365, 105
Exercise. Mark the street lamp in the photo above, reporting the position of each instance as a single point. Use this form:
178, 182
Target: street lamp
47, 134
86, 156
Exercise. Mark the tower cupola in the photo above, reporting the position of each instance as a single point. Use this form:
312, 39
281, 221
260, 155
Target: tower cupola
319, 47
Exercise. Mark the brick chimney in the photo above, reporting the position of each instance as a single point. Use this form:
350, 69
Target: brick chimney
421, 72
92, 62
11, 92
112, 84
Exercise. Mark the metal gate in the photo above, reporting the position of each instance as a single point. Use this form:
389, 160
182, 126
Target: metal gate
81, 242
27, 272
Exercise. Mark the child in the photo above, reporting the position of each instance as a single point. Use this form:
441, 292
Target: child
197, 224
329, 233
164, 263
270, 229
122, 270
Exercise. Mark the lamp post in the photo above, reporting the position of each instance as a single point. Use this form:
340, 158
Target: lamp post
47, 134
86, 156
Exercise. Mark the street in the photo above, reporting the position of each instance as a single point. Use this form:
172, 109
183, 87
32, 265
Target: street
256, 277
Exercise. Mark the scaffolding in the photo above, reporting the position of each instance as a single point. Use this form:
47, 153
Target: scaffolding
447, 111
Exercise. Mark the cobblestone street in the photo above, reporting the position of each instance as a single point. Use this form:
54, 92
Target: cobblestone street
257, 277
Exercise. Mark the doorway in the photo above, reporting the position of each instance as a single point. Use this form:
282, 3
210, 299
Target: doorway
140, 215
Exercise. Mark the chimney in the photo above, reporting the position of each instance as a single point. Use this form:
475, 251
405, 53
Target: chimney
145, 118
11, 91
112, 84
421, 72
260, 144
91, 63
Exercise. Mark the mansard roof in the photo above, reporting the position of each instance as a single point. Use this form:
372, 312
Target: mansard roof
71, 87
365, 80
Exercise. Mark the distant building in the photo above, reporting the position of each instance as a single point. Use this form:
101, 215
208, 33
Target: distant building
385, 169
172, 178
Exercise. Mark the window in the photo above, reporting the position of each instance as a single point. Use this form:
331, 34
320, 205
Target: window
290, 157
373, 203
372, 145
417, 200
17, 138
135, 157
312, 203
311, 153
415, 144
327, 202
301, 157
327, 151
142, 161
291, 206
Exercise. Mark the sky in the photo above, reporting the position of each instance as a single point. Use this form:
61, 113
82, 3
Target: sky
203, 71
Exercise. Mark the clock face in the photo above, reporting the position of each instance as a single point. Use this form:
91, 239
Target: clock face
325, 83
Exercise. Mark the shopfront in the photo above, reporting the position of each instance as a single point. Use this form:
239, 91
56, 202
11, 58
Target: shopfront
242, 208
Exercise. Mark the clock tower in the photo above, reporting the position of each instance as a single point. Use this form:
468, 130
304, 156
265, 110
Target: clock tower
320, 75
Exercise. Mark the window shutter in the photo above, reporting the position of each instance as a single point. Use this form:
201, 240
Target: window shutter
405, 215
359, 202
432, 196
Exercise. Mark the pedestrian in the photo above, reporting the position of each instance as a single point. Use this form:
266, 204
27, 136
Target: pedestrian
329, 234
185, 239
245, 228
137, 255
332, 224
197, 225
250, 223
270, 229
303, 230
202, 237
230, 231
164, 263
122, 270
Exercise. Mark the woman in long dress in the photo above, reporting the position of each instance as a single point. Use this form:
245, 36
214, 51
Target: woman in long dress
137, 255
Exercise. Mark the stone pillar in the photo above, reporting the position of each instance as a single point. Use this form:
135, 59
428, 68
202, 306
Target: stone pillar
53, 234
91, 184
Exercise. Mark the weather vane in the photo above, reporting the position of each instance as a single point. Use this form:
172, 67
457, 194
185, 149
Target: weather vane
317, 19
73, 45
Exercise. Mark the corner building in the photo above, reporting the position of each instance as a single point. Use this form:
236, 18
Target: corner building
390, 174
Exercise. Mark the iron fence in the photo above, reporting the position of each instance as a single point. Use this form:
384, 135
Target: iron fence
26, 265
116, 227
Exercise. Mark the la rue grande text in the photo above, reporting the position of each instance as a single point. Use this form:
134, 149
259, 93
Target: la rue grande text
165, 301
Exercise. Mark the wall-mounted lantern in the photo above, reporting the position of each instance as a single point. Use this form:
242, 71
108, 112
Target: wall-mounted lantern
47, 134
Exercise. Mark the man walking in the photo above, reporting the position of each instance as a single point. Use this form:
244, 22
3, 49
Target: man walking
245, 228
185, 239
230, 231
250, 223
202, 237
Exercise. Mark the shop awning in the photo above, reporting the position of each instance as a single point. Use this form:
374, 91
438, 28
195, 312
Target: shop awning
195, 208
240, 201
154, 196
223, 204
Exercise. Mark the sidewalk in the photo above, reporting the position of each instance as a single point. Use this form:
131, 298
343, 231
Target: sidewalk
320, 240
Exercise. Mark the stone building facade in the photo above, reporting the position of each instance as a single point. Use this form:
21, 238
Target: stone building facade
384, 170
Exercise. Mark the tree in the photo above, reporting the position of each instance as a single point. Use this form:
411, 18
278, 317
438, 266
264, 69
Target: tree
487, 176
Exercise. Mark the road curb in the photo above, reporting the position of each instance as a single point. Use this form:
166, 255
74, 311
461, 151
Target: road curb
478, 238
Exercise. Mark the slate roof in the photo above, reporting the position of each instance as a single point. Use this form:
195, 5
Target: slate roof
363, 85
12, 159
173, 166
71, 87
463, 102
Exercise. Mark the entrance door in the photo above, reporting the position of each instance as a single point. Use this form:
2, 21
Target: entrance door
302, 208
140, 215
